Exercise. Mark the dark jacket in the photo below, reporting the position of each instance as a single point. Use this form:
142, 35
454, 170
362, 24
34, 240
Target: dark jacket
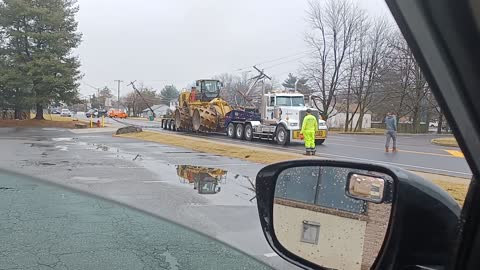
391, 123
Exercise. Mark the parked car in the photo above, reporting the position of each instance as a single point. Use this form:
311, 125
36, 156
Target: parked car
56, 111
96, 113
66, 113
117, 114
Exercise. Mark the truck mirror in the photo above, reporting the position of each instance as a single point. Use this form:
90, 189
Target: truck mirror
339, 215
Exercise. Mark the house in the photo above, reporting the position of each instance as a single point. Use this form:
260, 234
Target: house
338, 117
160, 110
173, 104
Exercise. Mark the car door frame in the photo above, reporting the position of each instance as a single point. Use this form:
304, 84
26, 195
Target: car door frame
444, 38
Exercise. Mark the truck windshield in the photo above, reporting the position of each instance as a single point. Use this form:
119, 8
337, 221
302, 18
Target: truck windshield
290, 101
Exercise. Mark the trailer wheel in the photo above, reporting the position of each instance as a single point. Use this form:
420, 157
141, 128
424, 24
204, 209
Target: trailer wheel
282, 135
231, 130
172, 125
239, 132
319, 141
169, 125
248, 132
163, 124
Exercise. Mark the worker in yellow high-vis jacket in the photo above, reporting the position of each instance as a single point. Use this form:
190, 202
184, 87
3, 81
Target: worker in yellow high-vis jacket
309, 128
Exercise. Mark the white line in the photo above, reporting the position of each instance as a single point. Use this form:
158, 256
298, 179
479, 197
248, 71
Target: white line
269, 255
154, 181
396, 164
320, 154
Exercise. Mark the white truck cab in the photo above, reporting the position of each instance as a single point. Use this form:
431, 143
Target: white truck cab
282, 116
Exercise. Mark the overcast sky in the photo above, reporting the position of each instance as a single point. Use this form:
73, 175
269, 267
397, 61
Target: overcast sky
178, 41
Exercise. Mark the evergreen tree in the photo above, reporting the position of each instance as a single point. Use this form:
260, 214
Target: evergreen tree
39, 36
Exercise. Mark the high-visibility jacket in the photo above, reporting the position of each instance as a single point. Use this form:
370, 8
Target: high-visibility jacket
310, 123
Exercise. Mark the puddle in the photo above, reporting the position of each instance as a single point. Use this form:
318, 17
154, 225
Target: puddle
39, 144
205, 180
214, 184
46, 164
63, 139
62, 147
7, 189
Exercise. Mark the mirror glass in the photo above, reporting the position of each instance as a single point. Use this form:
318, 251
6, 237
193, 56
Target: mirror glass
334, 217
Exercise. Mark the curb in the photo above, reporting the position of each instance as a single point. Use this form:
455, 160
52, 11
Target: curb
447, 144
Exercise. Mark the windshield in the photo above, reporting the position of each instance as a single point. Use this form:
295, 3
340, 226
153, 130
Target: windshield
178, 118
83, 232
210, 88
290, 101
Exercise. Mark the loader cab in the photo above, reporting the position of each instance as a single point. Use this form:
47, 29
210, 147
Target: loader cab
209, 89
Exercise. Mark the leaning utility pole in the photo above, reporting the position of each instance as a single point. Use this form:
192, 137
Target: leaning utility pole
260, 77
118, 92
138, 92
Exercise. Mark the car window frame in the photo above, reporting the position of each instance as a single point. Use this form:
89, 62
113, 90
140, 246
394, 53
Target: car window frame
444, 40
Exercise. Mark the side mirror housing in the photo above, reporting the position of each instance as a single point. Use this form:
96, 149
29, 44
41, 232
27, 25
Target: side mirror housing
345, 215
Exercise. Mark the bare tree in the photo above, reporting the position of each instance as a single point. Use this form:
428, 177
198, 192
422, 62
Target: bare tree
333, 23
409, 84
373, 64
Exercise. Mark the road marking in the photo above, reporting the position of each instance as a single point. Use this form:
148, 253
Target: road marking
320, 154
455, 153
154, 181
269, 255
404, 151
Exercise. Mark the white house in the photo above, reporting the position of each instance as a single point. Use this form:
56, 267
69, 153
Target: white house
338, 120
338, 117
159, 110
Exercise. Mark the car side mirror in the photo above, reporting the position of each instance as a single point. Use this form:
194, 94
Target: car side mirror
344, 215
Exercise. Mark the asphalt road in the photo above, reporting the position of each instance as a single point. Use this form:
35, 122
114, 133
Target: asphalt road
144, 175
415, 151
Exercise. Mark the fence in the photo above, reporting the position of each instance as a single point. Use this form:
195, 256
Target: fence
404, 127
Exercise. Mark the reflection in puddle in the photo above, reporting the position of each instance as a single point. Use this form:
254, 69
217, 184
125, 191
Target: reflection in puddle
62, 139
205, 180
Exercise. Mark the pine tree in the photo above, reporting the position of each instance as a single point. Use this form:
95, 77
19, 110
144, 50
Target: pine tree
39, 38
168, 93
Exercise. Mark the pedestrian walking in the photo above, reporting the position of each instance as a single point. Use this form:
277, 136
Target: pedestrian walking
391, 131
309, 129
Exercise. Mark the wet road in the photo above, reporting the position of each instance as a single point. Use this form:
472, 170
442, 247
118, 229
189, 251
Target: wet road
146, 176
415, 151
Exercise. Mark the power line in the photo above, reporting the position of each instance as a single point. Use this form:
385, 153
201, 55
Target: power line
285, 62
275, 60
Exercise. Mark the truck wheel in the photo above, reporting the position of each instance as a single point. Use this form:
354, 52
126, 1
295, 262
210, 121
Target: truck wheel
172, 125
319, 141
169, 127
231, 130
239, 134
248, 132
163, 124
282, 135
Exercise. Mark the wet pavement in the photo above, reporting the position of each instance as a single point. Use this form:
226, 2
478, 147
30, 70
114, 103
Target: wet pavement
209, 193
416, 152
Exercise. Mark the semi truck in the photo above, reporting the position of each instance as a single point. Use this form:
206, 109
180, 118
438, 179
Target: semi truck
278, 119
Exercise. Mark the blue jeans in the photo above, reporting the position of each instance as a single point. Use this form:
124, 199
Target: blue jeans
391, 134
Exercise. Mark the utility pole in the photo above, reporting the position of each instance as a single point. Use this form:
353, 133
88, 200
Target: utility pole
118, 92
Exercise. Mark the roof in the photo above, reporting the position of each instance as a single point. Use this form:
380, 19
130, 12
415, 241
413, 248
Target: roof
156, 107
285, 93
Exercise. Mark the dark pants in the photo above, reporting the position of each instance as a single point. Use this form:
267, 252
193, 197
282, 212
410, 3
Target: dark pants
391, 134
